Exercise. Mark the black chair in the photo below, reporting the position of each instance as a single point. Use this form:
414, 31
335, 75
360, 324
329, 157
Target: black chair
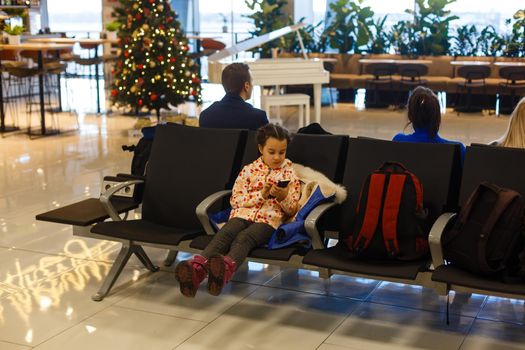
472, 92
325, 153
511, 91
380, 88
411, 77
481, 164
186, 165
438, 168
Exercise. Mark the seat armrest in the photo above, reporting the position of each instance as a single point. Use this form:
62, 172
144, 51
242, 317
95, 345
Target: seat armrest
434, 238
204, 206
310, 223
107, 194
131, 176
137, 192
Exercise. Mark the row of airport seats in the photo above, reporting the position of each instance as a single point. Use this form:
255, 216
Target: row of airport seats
192, 170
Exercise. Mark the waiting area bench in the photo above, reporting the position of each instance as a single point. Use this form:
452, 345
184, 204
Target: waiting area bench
191, 172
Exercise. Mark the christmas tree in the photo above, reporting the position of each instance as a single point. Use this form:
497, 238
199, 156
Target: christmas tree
154, 69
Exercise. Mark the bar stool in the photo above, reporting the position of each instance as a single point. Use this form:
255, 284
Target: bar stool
511, 91
301, 100
21, 86
474, 82
378, 89
9, 58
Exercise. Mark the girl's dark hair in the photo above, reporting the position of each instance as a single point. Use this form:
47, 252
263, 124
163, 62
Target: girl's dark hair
271, 130
424, 112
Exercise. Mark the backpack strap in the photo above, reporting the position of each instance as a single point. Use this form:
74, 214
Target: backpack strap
373, 207
505, 198
390, 212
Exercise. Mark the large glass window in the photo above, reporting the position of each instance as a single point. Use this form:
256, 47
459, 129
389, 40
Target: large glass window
225, 20
395, 10
75, 17
484, 13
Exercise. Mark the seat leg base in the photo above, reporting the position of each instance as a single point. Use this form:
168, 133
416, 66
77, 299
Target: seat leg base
114, 272
170, 257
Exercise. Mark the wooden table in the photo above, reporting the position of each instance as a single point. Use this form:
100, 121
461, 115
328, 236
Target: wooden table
509, 64
81, 41
386, 60
40, 48
470, 63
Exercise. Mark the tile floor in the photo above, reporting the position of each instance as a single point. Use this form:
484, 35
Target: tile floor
47, 275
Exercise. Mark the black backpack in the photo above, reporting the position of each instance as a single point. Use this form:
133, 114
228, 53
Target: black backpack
487, 237
391, 222
141, 151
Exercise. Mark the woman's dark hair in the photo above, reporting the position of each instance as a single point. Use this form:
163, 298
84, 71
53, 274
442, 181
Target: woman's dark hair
234, 76
424, 112
271, 130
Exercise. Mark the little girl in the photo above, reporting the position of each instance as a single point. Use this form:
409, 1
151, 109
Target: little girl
262, 199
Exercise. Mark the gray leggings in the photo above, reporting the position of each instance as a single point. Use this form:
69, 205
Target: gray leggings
237, 238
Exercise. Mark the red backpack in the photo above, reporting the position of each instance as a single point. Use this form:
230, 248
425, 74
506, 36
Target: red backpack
390, 219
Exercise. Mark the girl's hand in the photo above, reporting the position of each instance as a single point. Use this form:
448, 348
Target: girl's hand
279, 193
265, 192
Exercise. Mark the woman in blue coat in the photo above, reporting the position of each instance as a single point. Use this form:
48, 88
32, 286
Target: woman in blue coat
424, 114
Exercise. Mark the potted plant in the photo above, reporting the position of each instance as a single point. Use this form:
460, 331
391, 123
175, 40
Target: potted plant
349, 29
112, 28
267, 16
13, 34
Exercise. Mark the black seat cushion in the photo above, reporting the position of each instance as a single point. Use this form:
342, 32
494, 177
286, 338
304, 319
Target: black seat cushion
86, 212
456, 276
283, 254
339, 258
145, 231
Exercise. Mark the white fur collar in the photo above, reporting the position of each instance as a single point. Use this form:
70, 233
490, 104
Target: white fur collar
308, 175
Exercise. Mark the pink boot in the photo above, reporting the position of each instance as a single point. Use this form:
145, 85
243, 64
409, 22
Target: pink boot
221, 269
190, 274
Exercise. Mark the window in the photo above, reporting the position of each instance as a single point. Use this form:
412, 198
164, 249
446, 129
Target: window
75, 16
484, 13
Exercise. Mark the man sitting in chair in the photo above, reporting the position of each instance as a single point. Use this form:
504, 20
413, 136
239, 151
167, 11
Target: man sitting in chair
232, 112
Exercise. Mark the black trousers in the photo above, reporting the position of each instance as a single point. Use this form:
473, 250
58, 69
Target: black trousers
237, 238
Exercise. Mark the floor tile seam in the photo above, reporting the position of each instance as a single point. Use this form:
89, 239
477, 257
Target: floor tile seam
15, 343
339, 325
314, 293
156, 313
213, 320
378, 285
188, 337
80, 321
501, 321
94, 259
415, 309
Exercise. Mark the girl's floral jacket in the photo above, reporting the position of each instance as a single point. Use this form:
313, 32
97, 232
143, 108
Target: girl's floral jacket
247, 201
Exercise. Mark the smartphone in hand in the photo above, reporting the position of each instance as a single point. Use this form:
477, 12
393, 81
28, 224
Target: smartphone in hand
283, 183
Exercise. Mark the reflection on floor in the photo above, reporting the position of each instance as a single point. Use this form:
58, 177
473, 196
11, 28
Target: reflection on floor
47, 275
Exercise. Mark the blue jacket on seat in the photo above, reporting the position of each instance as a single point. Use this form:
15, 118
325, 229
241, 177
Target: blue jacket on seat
294, 232
423, 136
232, 112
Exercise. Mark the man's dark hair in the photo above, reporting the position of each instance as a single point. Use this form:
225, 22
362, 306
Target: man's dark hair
424, 112
234, 76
